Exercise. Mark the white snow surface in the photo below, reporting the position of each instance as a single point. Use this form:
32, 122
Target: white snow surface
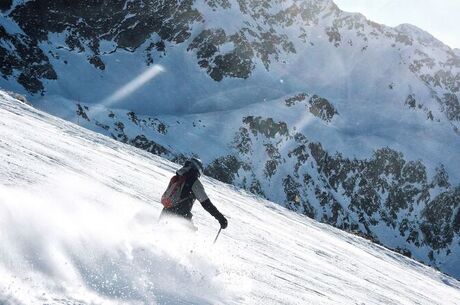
78, 225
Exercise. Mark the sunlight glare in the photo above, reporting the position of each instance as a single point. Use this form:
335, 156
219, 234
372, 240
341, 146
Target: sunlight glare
133, 85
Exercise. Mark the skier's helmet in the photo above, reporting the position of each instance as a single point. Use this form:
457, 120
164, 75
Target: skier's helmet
197, 164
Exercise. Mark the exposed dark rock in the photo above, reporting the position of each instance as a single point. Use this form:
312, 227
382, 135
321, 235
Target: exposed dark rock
218, 3
97, 62
119, 126
267, 127
451, 106
162, 128
334, 36
81, 112
429, 115
5, 5
128, 23
410, 101
322, 108
291, 189
103, 126
441, 179
142, 142
242, 141
270, 167
156, 125
295, 99
236, 63
256, 188
300, 152
133, 117
224, 168
441, 222
404, 38
318, 106
24, 56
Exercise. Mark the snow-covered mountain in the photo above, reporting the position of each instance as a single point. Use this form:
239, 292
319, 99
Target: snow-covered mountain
350, 122
78, 224
222, 54
300, 152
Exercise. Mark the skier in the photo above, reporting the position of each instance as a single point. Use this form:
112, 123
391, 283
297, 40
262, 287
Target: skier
182, 191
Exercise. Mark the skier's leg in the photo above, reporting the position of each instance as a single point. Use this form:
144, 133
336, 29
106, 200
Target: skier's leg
165, 213
190, 223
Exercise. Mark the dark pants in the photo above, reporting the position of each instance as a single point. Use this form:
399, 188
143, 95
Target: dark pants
172, 212
176, 212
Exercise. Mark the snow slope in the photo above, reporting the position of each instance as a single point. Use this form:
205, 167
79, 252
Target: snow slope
78, 226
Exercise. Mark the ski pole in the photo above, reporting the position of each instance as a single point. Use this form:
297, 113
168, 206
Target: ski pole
217, 235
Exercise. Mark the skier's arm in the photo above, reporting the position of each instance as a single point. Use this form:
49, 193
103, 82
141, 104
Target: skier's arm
200, 194
208, 206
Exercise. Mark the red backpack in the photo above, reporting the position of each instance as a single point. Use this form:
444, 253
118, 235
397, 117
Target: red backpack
171, 197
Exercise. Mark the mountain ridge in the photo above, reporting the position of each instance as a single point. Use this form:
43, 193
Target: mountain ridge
266, 50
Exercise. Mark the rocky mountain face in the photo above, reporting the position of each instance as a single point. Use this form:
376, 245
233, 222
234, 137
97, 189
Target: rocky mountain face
226, 40
344, 120
385, 196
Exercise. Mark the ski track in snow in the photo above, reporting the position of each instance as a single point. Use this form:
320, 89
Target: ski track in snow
78, 225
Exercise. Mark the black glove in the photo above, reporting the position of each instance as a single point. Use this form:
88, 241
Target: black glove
223, 221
